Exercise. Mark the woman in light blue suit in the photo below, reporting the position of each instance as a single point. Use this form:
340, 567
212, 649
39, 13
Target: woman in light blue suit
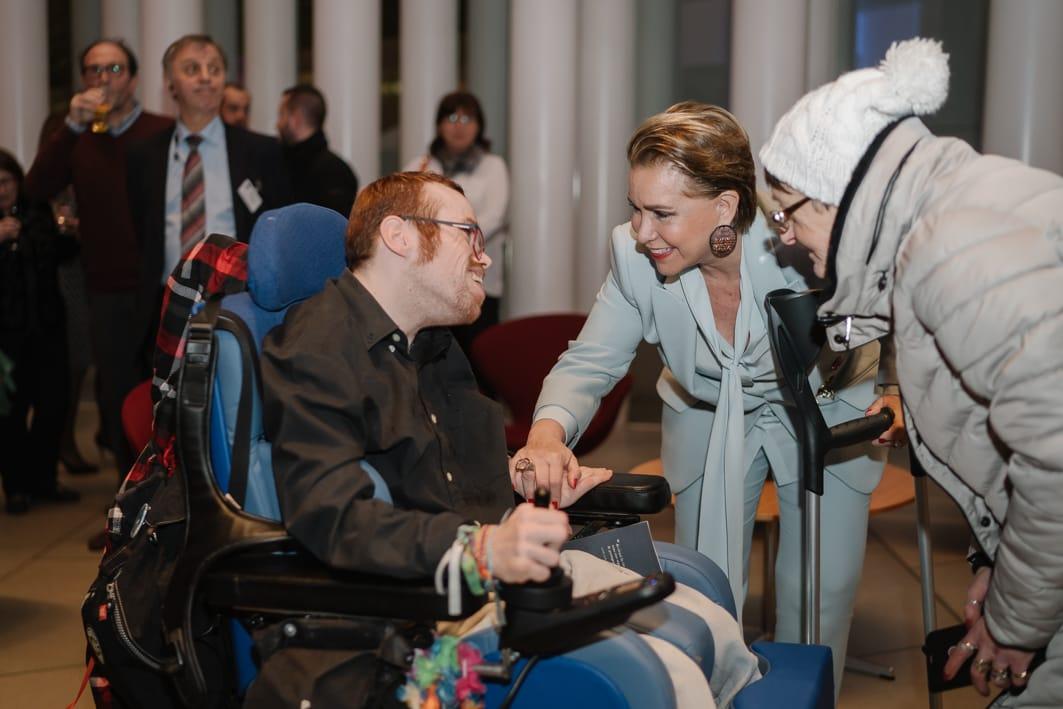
689, 274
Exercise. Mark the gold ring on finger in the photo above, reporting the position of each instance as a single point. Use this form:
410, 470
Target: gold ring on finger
524, 466
967, 646
1021, 675
981, 665
1000, 677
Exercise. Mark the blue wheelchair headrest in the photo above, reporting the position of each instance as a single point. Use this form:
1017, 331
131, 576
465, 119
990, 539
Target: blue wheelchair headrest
295, 250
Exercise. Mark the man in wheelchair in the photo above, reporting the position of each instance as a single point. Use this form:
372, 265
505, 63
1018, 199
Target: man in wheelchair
363, 385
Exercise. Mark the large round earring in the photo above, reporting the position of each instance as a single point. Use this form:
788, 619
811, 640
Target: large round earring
723, 240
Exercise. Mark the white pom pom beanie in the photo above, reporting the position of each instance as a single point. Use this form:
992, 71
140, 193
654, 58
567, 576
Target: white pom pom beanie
815, 147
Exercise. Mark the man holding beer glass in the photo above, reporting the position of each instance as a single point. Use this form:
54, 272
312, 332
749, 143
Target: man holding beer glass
90, 153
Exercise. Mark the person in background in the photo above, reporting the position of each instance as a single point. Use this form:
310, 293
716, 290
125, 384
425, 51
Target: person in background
235, 105
90, 153
72, 285
958, 258
689, 275
203, 176
33, 338
462, 152
319, 176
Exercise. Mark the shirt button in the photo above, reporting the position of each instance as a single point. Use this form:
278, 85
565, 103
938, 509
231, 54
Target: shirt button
391, 348
433, 417
395, 336
985, 522
450, 478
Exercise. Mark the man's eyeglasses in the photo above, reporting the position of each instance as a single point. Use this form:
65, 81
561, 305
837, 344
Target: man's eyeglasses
780, 218
471, 229
99, 70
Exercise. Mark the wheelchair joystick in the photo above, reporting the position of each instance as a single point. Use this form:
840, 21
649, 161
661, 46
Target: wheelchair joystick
551, 594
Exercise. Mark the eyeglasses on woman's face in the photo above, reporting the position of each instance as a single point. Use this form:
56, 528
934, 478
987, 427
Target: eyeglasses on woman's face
460, 118
780, 218
472, 231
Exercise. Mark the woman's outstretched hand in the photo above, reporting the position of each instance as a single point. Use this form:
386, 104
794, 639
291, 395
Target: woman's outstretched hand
545, 461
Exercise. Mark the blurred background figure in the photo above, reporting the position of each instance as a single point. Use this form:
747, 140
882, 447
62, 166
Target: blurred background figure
33, 338
461, 152
235, 105
318, 175
71, 280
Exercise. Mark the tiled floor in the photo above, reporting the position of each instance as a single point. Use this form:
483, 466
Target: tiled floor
45, 570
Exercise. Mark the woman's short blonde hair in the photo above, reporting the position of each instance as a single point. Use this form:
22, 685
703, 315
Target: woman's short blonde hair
706, 144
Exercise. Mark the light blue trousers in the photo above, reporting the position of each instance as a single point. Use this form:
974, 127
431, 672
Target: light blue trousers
843, 536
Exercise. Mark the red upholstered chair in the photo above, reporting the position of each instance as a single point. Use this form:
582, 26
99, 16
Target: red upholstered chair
137, 416
514, 357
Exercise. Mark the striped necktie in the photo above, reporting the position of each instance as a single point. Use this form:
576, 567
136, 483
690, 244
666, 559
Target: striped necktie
193, 202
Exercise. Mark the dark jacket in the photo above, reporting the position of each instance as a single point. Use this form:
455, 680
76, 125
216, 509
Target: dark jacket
30, 300
252, 156
320, 176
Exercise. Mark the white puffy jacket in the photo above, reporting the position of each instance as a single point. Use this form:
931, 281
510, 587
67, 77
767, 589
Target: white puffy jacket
964, 256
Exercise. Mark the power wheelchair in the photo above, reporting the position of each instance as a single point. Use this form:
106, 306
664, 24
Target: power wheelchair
238, 562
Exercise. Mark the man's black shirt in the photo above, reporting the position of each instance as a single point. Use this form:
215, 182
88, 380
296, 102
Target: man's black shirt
340, 385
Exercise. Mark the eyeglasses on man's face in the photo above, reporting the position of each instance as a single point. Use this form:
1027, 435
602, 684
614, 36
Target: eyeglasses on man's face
101, 70
472, 231
780, 218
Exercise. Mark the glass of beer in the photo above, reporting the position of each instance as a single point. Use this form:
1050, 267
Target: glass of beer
99, 117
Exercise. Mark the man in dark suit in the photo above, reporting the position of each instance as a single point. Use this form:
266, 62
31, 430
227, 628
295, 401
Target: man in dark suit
203, 176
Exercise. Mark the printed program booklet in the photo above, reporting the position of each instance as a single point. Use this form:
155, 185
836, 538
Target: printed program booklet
630, 547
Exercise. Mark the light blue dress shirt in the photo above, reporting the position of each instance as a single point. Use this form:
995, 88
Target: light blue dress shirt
217, 187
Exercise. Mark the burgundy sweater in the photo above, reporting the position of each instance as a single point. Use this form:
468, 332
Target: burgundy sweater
96, 165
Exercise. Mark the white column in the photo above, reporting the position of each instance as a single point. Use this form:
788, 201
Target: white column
428, 69
161, 22
656, 50
487, 65
825, 39
270, 58
24, 86
1024, 94
222, 24
542, 150
606, 121
85, 28
120, 19
347, 71
767, 65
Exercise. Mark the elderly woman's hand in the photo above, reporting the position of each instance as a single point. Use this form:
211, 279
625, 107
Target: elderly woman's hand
546, 461
1003, 666
895, 436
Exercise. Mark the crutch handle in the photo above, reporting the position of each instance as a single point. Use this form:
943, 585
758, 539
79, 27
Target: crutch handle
862, 429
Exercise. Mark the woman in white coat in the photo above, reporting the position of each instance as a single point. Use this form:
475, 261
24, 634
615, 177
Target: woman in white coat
461, 152
689, 274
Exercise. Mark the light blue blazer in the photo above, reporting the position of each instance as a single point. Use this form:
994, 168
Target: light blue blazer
721, 406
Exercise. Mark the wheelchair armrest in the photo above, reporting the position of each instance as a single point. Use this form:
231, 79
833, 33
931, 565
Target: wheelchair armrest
626, 493
294, 582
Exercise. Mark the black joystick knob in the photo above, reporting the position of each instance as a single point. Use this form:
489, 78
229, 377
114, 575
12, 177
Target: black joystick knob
554, 593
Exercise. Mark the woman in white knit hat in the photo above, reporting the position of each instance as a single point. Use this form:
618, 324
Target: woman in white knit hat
689, 274
960, 255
